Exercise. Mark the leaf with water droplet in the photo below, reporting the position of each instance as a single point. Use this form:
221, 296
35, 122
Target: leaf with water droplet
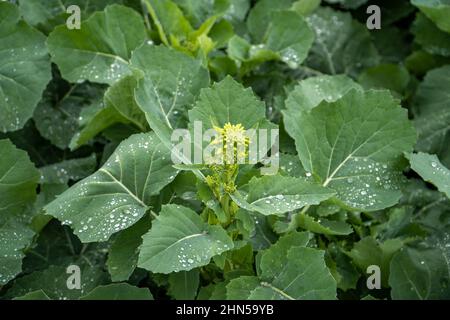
97, 51
287, 271
279, 194
177, 237
342, 45
421, 273
138, 169
18, 182
309, 93
354, 142
432, 170
25, 69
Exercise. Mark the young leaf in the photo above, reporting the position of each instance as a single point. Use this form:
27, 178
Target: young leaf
169, 20
352, 144
431, 169
99, 51
118, 194
25, 69
180, 241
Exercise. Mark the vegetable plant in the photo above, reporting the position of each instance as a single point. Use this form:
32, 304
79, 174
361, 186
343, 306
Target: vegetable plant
346, 197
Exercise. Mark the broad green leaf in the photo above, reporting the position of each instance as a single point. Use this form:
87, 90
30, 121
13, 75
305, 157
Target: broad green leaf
183, 285
309, 93
431, 169
170, 85
298, 273
180, 241
431, 38
421, 274
369, 252
432, 114
118, 291
341, 44
260, 14
25, 68
223, 103
289, 36
278, 194
73, 169
386, 76
18, 182
53, 282
99, 51
278, 251
124, 250
436, 10
18, 179
352, 145
118, 194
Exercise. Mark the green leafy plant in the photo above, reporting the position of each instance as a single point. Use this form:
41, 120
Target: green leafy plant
92, 180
